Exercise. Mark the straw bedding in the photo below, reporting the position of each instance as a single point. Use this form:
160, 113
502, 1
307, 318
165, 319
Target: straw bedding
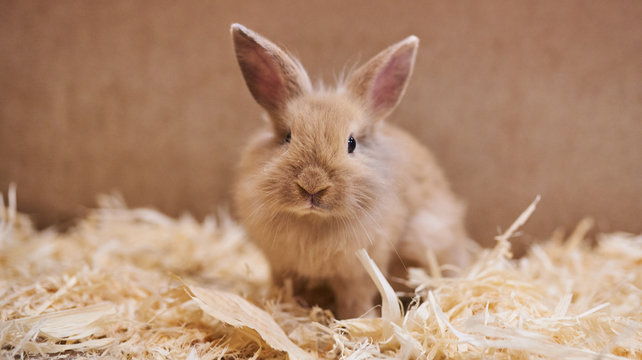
134, 283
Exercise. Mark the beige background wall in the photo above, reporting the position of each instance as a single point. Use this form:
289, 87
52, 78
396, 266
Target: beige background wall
516, 98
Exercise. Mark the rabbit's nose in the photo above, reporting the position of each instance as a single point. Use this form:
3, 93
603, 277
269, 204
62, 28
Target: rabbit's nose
312, 181
312, 191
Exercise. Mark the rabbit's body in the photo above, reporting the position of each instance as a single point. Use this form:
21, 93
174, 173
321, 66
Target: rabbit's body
329, 177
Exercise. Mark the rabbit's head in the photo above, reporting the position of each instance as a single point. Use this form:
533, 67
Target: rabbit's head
322, 157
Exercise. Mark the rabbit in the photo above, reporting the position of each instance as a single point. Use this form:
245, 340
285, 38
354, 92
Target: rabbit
328, 175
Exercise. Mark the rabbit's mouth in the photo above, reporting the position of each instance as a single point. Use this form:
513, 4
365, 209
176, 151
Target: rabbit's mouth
315, 206
312, 206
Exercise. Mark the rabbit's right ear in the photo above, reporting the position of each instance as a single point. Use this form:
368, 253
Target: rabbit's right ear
381, 82
272, 76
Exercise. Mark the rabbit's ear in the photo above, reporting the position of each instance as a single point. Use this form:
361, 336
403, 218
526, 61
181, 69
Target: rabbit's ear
272, 76
381, 82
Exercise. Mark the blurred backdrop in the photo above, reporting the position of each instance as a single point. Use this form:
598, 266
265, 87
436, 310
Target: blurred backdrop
515, 98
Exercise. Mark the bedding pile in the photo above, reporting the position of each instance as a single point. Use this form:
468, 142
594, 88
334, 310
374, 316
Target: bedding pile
136, 284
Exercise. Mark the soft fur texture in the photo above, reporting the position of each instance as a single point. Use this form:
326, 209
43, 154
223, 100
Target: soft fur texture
310, 204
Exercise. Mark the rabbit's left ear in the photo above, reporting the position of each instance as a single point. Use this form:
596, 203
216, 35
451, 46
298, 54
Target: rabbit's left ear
381, 82
273, 77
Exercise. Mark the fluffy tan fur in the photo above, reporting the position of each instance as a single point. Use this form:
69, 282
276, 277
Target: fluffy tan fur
309, 203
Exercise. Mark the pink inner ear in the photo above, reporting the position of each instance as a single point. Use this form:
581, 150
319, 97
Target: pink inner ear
263, 79
390, 81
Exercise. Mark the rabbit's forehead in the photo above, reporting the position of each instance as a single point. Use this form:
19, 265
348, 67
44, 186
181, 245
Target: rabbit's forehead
324, 112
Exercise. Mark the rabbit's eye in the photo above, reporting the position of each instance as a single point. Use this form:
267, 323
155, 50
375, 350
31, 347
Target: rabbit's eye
352, 144
288, 137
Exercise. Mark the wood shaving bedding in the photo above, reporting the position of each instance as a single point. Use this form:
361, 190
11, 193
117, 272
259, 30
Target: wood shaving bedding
136, 284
